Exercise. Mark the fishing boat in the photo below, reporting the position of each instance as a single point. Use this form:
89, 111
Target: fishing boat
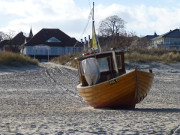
104, 82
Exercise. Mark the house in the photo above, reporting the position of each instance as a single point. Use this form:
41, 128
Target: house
146, 41
149, 37
169, 40
49, 43
3, 43
14, 44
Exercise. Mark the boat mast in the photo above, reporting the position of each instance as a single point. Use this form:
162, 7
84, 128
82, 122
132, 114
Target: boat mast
95, 42
93, 14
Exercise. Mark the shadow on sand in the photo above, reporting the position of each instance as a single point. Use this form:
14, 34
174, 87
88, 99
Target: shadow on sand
163, 110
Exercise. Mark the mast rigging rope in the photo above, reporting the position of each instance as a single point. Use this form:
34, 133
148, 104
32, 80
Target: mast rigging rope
89, 18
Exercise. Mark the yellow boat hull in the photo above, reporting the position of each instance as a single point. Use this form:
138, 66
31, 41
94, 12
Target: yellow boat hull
124, 91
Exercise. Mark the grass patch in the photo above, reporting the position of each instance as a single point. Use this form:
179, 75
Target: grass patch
14, 59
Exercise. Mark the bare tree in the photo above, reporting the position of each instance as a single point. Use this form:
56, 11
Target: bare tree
2, 36
10, 34
112, 26
7, 36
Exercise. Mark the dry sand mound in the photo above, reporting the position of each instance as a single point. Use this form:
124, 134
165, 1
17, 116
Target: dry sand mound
44, 100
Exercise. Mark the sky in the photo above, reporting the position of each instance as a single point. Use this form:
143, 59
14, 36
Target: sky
143, 17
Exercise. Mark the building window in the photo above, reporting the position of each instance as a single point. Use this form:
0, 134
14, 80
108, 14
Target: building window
53, 40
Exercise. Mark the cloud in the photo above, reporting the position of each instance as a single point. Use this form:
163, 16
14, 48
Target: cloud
67, 16
42, 14
144, 19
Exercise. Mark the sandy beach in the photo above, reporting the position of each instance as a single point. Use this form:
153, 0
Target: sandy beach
44, 100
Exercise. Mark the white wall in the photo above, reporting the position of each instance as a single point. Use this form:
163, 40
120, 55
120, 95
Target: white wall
29, 50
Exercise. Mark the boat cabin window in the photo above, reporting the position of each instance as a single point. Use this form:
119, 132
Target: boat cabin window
118, 59
103, 64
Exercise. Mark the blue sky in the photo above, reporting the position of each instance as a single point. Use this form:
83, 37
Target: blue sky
144, 17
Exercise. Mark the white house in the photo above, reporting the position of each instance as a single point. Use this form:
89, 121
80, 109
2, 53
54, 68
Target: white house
169, 40
48, 43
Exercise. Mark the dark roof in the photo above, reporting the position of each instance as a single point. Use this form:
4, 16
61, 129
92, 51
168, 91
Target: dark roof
19, 39
45, 34
172, 33
149, 37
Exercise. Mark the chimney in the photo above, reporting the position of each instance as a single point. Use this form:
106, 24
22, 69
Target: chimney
85, 41
89, 42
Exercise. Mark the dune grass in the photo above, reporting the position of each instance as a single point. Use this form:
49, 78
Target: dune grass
14, 59
154, 54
